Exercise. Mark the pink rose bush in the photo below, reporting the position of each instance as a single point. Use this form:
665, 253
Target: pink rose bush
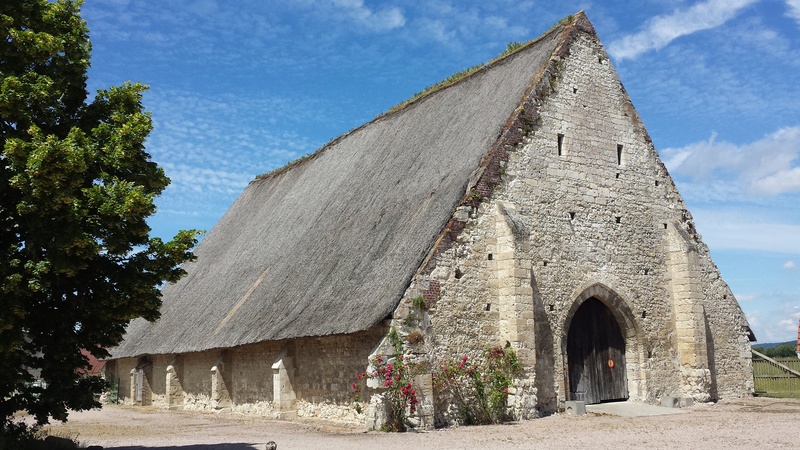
478, 391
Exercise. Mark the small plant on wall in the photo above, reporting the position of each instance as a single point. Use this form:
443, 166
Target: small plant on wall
478, 391
419, 303
394, 377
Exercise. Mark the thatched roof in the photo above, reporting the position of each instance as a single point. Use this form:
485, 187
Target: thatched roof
330, 244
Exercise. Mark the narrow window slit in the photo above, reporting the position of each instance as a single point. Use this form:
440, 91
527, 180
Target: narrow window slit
490, 256
619, 154
560, 144
617, 176
619, 219
572, 215
552, 307
544, 263
488, 307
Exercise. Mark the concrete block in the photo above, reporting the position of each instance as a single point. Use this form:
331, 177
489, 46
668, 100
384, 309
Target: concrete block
575, 408
687, 402
670, 401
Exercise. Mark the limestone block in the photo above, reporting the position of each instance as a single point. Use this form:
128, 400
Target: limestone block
284, 397
575, 408
670, 401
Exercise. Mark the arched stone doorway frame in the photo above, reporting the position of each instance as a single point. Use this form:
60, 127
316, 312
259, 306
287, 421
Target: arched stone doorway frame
631, 331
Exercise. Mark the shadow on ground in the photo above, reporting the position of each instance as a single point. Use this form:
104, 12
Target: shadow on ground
237, 446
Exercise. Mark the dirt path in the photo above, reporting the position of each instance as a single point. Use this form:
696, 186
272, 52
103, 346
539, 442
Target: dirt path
748, 423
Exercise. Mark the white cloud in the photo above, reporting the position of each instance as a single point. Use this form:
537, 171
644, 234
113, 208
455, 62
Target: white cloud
788, 325
376, 20
741, 229
793, 10
661, 30
775, 320
455, 24
201, 179
768, 166
789, 265
781, 181
746, 297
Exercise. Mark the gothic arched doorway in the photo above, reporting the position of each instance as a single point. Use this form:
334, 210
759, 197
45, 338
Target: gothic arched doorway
596, 355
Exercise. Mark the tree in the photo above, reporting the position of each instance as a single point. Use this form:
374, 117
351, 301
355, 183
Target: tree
77, 263
785, 350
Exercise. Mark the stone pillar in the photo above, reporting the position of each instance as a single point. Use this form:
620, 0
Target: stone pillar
798, 338
512, 291
135, 391
284, 398
220, 395
423, 384
377, 411
174, 389
689, 317
511, 285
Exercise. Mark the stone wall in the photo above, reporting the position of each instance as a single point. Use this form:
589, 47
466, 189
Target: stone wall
195, 376
728, 346
329, 365
320, 372
585, 209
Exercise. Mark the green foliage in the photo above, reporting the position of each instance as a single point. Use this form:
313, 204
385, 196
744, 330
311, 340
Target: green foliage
77, 263
511, 48
22, 437
419, 303
479, 391
784, 350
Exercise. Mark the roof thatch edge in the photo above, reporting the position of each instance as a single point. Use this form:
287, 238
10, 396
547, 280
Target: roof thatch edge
522, 121
567, 23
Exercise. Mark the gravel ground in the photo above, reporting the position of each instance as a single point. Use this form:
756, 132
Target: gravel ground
742, 423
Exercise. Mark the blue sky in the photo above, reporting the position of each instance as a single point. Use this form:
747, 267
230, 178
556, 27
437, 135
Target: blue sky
239, 88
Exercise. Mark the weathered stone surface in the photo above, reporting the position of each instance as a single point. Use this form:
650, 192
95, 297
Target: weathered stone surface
320, 381
602, 219
575, 408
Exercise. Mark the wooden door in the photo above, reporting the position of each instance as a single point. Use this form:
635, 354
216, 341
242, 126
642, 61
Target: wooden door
596, 355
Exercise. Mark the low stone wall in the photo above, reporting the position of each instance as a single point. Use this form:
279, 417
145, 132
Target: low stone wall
317, 374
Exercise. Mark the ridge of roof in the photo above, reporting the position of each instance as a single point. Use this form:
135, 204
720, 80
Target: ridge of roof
566, 22
519, 123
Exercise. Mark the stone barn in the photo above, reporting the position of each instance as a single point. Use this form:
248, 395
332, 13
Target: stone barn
527, 205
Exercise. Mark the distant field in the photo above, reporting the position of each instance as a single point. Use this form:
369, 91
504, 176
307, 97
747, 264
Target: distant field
774, 344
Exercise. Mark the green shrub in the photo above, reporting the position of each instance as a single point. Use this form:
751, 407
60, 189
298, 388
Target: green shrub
785, 350
20, 436
479, 391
